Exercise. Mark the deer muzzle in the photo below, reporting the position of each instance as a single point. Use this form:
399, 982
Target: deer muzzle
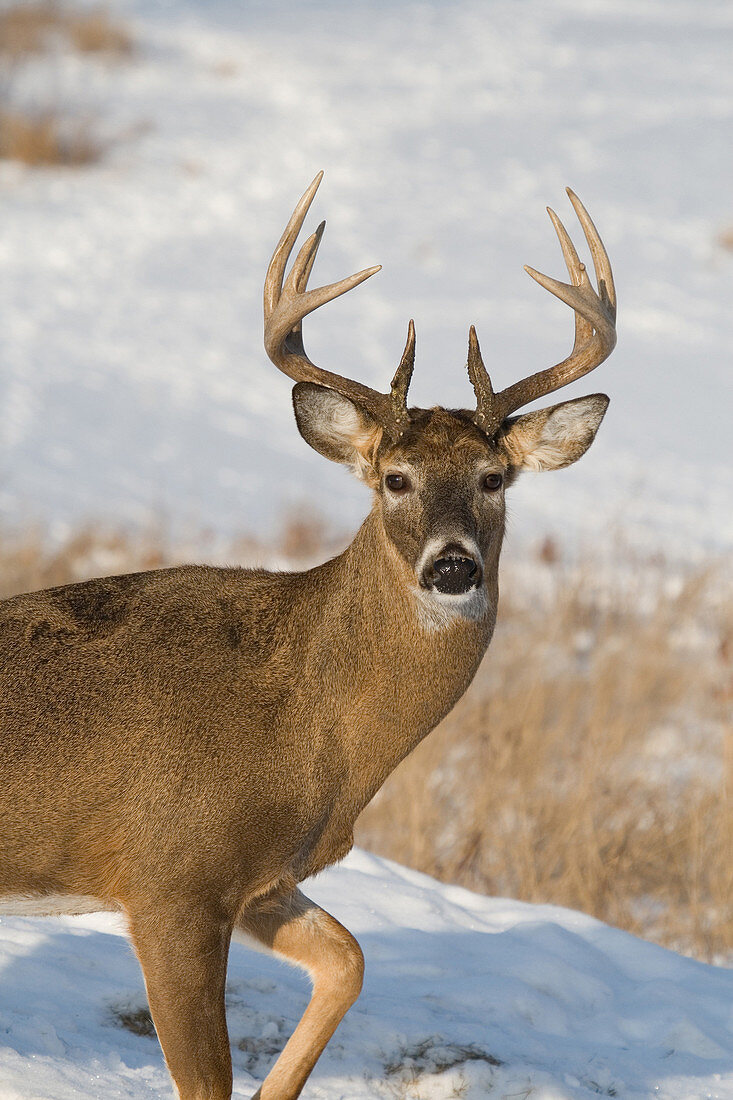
452, 570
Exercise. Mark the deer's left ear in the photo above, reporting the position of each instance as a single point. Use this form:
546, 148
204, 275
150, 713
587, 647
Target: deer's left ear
549, 439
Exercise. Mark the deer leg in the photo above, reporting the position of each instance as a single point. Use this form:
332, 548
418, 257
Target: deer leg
304, 934
183, 956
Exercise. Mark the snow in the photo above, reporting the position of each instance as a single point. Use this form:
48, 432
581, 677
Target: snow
464, 996
134, 381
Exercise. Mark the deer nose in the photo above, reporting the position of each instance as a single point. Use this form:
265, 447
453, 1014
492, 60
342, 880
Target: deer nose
453, 571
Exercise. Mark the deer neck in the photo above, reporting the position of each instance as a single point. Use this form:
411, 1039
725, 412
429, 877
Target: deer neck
399, 671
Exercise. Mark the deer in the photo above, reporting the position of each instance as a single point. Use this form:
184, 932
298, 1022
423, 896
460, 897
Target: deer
185, 746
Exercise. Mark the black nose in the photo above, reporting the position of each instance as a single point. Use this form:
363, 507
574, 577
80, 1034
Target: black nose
454, 572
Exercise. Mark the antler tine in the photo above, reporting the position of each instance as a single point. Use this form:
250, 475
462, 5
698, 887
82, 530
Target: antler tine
583, 299
402, 379
481, 383
595, 323
276, 269
573, 262
287, 302
576, 271
297, 280
601, 263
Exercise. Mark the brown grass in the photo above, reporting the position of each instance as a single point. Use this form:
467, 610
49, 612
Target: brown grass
32, 28
590, 764
47, 138
725, 239
28, 563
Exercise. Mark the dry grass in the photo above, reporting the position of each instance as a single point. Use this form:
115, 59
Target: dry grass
47, 138
47, 135
30, 561
725, 238
28, 564
137, 1020
33, 28
590, 764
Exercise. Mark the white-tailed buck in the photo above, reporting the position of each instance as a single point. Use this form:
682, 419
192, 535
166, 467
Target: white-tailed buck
186, 745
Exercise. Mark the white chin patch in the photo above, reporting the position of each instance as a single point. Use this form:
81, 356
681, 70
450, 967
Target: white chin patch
438, 610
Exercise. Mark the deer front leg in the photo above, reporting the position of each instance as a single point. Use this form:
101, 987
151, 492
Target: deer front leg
183, 954
301, 932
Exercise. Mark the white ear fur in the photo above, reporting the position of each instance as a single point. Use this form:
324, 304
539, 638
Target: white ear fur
550, 439
337, 428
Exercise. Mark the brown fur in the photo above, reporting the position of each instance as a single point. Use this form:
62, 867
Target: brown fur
188, 744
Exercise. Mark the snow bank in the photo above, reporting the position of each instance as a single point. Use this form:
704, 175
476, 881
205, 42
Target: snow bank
464, 996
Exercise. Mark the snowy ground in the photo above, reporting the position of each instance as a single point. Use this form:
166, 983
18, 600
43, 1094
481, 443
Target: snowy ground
465, 996
133, 379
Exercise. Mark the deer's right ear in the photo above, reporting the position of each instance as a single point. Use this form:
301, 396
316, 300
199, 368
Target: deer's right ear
337, 428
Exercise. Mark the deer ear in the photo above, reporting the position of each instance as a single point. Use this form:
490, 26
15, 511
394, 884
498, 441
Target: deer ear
337, 428
549, 439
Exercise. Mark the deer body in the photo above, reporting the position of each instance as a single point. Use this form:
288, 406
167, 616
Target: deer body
187, 745
230, 719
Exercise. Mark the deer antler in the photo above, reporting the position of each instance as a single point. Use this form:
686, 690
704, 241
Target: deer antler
595, 328
287, 303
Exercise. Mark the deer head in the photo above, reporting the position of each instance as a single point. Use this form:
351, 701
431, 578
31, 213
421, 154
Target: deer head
438, 475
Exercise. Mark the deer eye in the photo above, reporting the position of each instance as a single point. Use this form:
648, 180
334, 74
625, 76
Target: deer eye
492, 482
397, 483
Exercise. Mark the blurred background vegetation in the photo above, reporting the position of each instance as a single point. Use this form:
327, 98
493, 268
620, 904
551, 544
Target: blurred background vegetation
41, 133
